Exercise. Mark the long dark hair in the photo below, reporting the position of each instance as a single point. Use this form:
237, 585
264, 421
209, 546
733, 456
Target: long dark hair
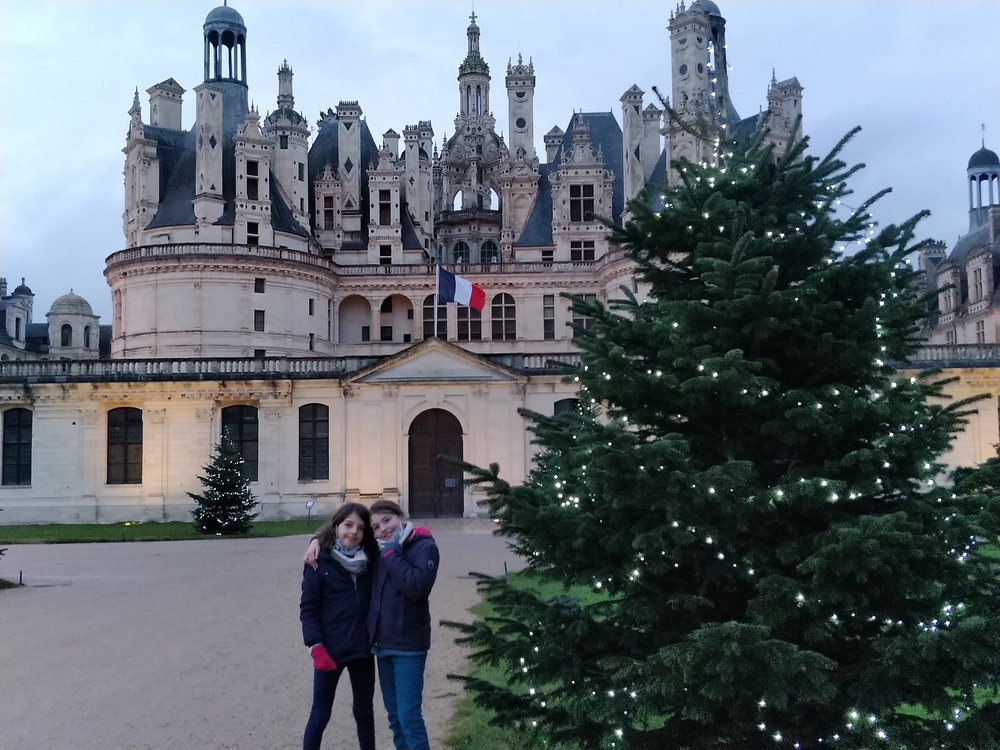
327, 535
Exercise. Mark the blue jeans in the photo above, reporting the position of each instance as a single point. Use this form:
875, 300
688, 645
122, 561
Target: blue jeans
402, 680
362, 673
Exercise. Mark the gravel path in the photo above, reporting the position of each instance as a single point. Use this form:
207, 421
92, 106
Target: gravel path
194, 645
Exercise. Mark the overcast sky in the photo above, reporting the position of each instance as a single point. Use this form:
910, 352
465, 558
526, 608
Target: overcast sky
920, 78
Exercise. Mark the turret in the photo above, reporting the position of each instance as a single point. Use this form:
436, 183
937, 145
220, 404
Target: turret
632, 142
984, 182
165, 102
474, 78
520, 106
288, 130
350, 166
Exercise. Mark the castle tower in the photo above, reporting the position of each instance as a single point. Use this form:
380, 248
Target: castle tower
984, 182
253, 153
474, 78
697, 40
632, 142
288, 130
784, 104
521, 108
220, 108
350, 167
142, 177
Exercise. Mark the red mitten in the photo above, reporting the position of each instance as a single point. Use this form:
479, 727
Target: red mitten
321, 659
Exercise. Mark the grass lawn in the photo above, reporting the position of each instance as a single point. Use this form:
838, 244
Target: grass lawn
65, 533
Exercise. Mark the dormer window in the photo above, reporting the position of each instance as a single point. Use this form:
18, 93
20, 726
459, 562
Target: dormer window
581, 202
253, 168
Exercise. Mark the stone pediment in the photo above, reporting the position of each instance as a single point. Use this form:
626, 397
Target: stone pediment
435, 361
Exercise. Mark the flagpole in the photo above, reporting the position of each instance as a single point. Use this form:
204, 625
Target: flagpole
437, 292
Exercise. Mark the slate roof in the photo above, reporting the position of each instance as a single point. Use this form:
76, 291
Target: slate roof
975, 240
176, 151
326, 150
606, 137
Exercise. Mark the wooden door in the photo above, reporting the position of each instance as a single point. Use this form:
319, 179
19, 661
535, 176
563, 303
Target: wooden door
435, 485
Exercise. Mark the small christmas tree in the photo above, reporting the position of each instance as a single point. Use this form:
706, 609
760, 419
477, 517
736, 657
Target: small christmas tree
740, 540
226, 506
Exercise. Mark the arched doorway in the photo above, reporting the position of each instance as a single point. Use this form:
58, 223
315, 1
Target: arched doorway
435, 485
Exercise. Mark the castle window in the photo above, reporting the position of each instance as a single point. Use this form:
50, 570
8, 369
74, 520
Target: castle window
302, 171
283, 141
977, 284
328, 212
581, 250
980, 331
258, 320
547, 256
470, 323
253, 232
435, 313
504, 321
66, 335
385, 255
17, 329
949, 338
384, 208
580, 320
86, 337
312, 342
461, 252
252, 180
581, 202
258, 285
17, 447
125, 446
314, 442
564, 405
259, 353
489, 252
240, 428
312, 306
549, 317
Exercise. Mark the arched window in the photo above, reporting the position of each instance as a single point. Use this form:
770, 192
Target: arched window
125, 446
66, 335
432, 313
239, 427
86, 337
489, 252
504, 321
314, 442
17, 447
461, 252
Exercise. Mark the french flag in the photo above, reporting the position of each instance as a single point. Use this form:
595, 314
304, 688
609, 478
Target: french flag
452, 288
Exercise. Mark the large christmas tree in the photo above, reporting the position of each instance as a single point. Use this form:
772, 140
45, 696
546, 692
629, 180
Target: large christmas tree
226, 504
741, 540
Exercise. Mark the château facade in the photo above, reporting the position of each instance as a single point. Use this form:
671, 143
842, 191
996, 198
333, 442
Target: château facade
276, 287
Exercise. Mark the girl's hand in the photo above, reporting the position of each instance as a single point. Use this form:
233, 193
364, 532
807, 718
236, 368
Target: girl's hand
312, 554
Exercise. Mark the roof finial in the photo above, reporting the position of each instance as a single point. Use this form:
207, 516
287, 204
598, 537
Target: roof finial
982, 127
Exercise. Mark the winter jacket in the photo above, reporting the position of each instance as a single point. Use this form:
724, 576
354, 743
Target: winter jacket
399, 618
334, 608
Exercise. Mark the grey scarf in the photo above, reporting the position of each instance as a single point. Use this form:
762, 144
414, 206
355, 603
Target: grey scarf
354, 560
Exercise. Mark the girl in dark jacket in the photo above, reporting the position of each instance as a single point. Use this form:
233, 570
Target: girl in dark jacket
335, 602
399, 620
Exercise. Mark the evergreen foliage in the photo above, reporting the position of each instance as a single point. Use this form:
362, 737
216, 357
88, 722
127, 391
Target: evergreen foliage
744, 514
226, 505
